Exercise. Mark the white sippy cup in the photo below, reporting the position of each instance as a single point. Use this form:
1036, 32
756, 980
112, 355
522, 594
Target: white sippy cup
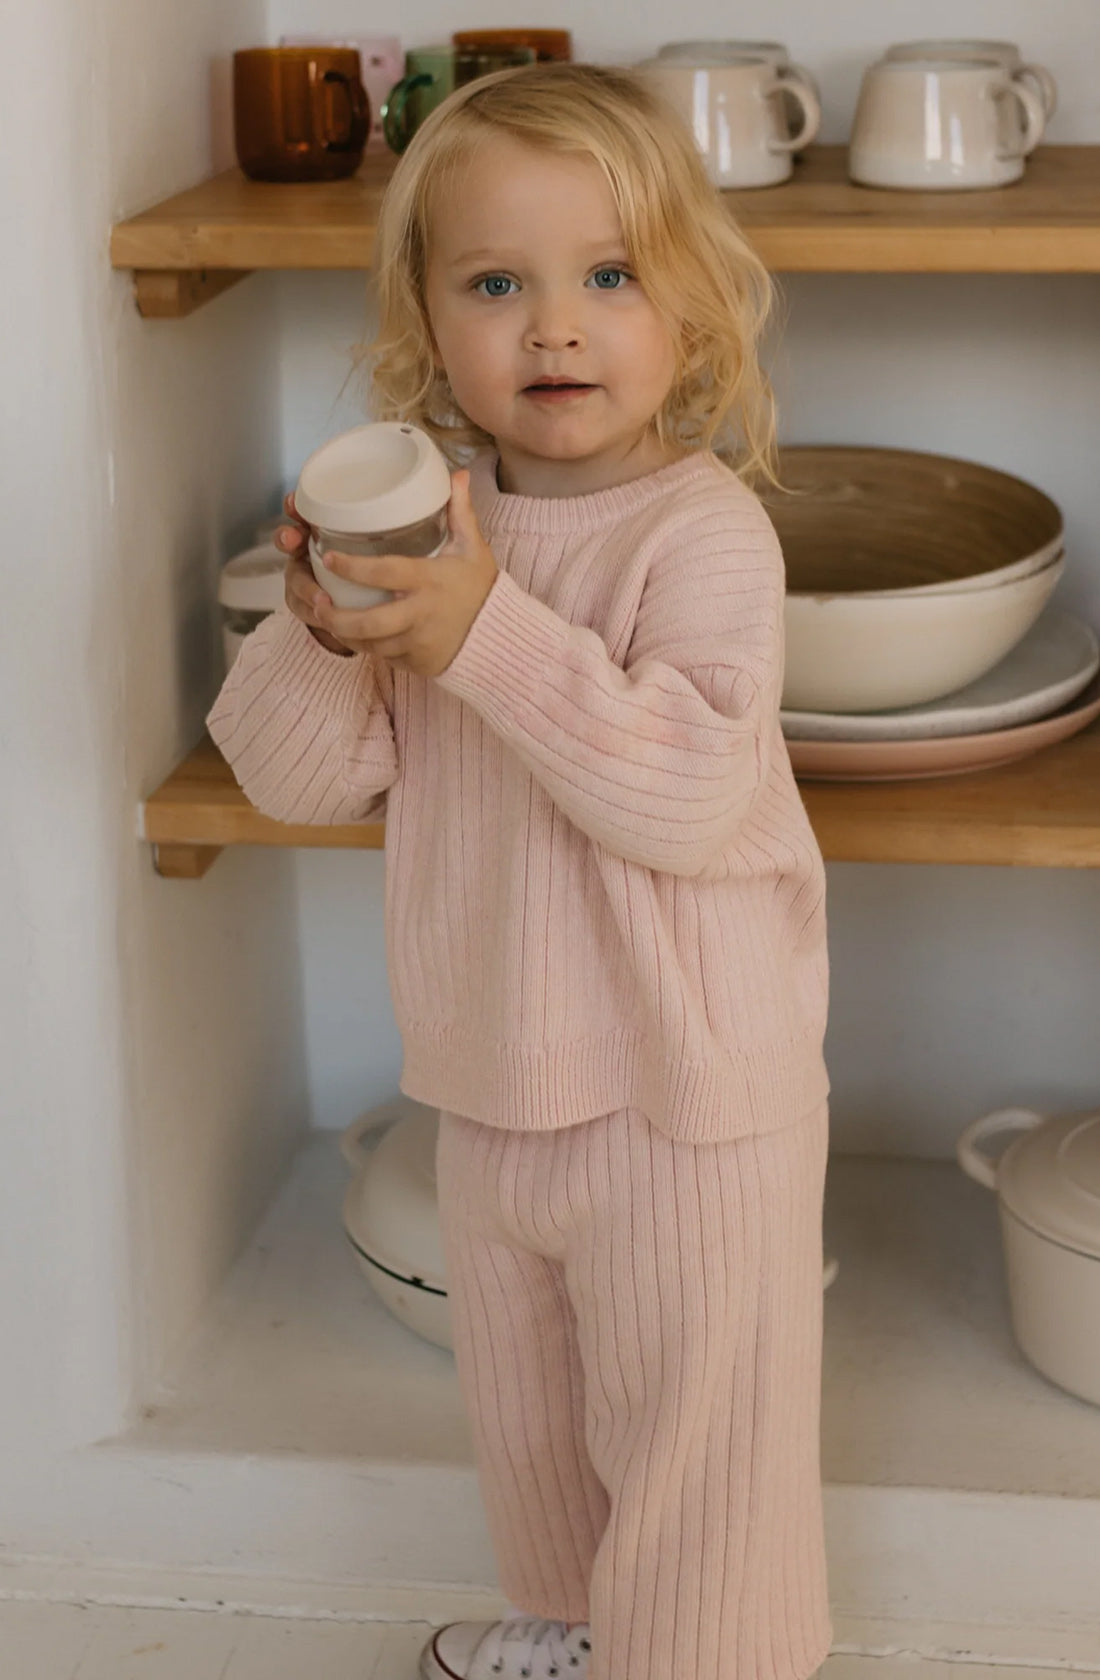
379, 489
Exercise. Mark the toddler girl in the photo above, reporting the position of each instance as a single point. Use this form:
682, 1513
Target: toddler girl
605, 913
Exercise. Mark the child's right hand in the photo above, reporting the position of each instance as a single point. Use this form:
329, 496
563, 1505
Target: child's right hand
303, 593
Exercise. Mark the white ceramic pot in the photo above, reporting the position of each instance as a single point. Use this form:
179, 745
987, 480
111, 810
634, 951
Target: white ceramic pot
391, 1214
1048, 1192
870, 652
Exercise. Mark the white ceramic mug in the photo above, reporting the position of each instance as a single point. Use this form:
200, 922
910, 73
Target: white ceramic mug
931, 124
1006, 52
735, 109
719, 52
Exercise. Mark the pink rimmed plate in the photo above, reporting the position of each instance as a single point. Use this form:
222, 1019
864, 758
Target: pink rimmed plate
952, 755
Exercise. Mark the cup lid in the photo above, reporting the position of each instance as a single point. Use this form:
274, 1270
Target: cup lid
1050, 1180
380, 477
253, 581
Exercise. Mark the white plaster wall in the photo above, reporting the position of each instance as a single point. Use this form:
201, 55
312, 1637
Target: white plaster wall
953, 989
149, 1030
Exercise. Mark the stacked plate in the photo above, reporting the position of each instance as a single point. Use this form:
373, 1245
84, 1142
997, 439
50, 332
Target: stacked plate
919, 640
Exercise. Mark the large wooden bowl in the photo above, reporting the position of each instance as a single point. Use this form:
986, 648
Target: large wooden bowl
889, 521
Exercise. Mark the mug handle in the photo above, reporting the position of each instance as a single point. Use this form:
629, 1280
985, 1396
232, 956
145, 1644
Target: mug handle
1048, 87
806, 78
807, 100
395, 125
974, 1161
358, 111
1034, 119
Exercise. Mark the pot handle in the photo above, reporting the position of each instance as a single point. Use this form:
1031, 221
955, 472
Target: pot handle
353, 1142
979, 1166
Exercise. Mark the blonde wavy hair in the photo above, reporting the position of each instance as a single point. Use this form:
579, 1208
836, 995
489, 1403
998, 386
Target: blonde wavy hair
701, 274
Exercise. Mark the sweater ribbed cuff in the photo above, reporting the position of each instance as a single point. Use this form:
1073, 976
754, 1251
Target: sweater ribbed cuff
296, 662
281, 718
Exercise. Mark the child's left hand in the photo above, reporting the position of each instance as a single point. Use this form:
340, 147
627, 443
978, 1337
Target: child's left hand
438, 597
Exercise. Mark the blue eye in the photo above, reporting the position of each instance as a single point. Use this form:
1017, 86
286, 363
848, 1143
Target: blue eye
602, 274
493, 281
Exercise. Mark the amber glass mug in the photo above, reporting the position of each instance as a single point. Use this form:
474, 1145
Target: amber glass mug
299, 113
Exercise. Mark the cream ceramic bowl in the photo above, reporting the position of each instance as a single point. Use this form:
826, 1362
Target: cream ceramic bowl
852, 652
904, 521
908, 573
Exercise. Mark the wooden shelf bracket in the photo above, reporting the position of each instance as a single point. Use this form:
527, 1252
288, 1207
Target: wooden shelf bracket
184, 863
167, 294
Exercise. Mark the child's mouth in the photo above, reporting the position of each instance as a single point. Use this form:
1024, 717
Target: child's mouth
556, 393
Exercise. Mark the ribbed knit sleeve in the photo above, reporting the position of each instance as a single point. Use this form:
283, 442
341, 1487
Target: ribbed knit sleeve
659, 760
308, 733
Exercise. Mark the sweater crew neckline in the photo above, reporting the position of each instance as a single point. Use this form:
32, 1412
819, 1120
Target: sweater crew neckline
502, 510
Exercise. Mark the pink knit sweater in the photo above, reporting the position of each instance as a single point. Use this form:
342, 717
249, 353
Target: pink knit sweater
602, 889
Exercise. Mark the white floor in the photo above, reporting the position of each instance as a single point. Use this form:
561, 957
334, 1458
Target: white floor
69, 1642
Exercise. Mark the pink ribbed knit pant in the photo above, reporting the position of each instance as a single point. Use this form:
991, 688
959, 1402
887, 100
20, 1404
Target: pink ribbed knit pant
638, 1338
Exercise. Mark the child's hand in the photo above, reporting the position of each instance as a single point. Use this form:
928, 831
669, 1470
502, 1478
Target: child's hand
439, 596
303, 594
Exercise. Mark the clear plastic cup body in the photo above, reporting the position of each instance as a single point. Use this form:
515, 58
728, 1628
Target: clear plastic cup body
420, 539
423, 539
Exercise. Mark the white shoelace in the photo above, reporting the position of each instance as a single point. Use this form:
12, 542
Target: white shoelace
561, 1646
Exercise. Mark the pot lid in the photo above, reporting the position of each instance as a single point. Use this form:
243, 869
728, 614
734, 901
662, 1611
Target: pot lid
1050, 1180
380, 477
253, 581
391, 1208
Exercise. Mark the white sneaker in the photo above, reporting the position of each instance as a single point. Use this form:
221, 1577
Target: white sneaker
527, 1648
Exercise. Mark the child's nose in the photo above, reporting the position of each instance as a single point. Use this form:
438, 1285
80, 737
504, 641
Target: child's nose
554, 330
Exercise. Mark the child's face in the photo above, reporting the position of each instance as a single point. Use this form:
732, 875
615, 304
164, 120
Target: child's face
528, 278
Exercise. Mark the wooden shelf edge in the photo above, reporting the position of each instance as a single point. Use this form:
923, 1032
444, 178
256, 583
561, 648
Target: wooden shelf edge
199, 810
1042, 812
990, 844
816, 223
816, 249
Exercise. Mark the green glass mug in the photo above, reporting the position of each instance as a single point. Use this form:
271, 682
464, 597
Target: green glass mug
431, 73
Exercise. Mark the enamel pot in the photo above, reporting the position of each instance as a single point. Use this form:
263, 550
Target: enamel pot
1047, 1183
391, 1214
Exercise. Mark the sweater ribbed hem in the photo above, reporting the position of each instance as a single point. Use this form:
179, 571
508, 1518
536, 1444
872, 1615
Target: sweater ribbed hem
524, 1088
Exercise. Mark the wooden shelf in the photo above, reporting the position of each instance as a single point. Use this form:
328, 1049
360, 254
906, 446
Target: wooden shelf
1043, 811
1048, 223
200, 809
